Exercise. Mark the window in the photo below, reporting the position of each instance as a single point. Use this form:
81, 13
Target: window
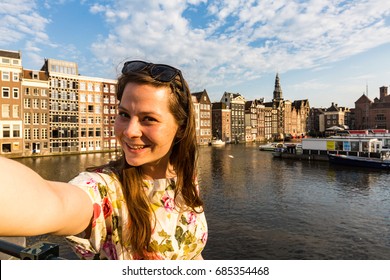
36, 133
15, 76
27, 103
15, 93
43, 104
36, 118
112, 88
112, 99
5, 92
16, 131
6, 131
44, 133
6, 148
5, 110
83, 132
44, 118
27, 118
35, 103
15, 111
5, 76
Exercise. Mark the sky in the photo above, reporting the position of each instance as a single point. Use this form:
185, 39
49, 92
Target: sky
323, 50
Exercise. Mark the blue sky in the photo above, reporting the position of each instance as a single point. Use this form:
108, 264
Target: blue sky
324, 50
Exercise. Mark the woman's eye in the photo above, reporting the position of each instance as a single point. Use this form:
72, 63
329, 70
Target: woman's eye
123, 114
149, 119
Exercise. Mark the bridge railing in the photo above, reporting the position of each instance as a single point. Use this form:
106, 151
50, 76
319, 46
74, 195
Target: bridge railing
38, 251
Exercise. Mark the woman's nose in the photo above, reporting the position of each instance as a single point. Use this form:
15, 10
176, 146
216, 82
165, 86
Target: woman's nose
133, 129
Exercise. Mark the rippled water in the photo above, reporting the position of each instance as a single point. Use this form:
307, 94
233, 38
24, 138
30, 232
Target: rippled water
260, 207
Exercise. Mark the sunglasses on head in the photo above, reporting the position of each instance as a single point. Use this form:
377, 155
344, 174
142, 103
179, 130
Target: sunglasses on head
159, 72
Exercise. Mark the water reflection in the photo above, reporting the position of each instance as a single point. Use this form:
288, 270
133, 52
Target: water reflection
260, 207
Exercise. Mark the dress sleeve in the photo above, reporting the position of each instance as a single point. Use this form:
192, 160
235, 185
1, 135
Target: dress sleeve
103, 230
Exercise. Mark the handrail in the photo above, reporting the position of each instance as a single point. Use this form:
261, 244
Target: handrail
38, 251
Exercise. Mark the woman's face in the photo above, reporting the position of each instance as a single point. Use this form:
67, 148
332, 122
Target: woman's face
146, 128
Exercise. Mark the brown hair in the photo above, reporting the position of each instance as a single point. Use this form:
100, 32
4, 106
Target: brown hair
183, 158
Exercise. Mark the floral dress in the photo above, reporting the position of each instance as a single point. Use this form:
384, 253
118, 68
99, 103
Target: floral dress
177, 234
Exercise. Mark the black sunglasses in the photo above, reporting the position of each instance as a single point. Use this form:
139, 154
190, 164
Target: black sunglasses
159, 72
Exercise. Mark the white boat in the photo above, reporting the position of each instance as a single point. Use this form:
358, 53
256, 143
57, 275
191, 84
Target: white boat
217, 142
268, 147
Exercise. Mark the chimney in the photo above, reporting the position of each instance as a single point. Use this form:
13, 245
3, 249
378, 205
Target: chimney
382, 92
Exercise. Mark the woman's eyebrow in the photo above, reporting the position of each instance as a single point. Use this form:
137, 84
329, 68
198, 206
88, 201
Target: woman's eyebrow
154, 113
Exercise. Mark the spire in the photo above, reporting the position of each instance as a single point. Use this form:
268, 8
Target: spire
278, 94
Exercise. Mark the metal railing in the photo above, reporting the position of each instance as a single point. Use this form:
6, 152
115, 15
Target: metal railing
38, 251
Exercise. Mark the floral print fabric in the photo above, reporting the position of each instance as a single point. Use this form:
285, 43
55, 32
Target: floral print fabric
177, 234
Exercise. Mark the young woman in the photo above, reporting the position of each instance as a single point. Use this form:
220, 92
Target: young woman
146, 205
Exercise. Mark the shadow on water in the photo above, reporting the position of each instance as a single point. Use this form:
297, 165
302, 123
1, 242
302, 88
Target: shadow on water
260, 207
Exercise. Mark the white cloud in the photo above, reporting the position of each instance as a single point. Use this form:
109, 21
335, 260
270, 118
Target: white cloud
242, 39
239, 41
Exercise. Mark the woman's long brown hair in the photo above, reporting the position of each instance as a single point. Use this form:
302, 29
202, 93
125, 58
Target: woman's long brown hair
183, 158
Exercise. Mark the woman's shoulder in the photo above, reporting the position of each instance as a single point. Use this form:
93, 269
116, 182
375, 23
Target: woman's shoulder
96, 177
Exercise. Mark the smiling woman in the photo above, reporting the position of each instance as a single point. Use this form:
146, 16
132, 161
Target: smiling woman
146, 204
146, 128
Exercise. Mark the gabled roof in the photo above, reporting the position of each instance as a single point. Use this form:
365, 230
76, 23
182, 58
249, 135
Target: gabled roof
333, 108
199, 95
249, 104
363, 99
297, 104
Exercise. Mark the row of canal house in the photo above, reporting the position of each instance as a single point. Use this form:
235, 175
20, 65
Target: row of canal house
57, 110
54, 109
235, 119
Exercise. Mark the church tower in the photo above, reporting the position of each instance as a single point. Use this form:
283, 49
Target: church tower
278, 94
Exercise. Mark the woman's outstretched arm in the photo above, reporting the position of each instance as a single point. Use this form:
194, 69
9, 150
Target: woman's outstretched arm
31, 205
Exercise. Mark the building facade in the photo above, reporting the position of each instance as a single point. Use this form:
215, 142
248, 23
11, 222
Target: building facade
11, 122
373, 114
36, 112
202, 105
236, 103
64, 110
221, 119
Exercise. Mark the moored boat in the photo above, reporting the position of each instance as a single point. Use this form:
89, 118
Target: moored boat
378, 163
268, 147
217, 142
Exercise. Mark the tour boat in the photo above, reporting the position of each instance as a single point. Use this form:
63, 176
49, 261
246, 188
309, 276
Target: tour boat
378, 163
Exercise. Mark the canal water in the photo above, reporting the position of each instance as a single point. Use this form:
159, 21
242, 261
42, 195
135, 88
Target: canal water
260, 207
